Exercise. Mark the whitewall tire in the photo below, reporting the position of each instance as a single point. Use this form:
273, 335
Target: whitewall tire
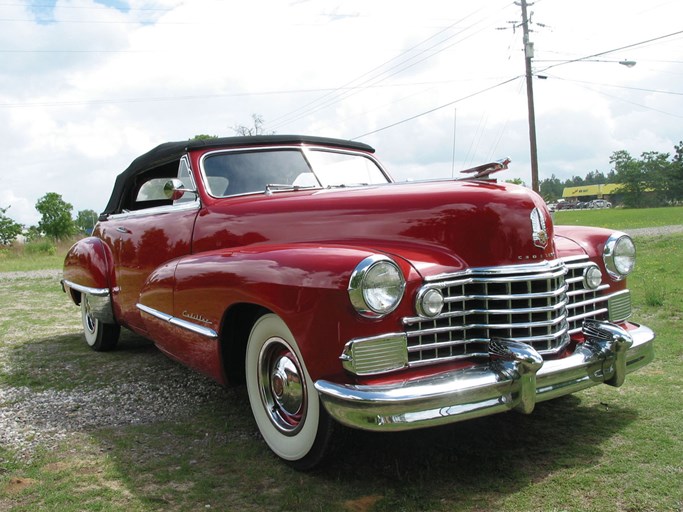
99, 336
283, 400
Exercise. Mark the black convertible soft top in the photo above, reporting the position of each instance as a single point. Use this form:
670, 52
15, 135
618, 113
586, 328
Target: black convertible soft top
170, 151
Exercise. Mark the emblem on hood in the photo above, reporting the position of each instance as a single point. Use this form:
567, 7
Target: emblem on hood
538, 229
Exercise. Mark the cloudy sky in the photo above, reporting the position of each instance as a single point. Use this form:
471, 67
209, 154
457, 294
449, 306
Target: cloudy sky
435, 86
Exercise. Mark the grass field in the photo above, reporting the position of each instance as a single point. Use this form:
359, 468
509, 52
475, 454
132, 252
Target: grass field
620, 218
603, 449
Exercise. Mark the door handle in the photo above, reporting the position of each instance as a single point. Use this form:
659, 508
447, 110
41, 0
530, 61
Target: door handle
121, 229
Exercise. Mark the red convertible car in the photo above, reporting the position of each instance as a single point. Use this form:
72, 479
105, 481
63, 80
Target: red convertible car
295, 265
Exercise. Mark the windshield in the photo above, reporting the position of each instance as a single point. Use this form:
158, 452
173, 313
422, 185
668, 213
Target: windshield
232, 173
335, 169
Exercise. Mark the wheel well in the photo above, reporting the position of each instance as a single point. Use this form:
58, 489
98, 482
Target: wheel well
237, 324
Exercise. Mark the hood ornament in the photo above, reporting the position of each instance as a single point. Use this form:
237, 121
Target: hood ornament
539, 232
484, 170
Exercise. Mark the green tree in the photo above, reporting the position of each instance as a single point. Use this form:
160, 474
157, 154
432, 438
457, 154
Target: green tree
56, 221
631, 178
516, 181
656, 170
595, 178
551, 188
9, 229
86, 220
204, 136
676, 173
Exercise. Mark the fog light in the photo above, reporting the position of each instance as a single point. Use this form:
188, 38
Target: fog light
592, 277
429, 302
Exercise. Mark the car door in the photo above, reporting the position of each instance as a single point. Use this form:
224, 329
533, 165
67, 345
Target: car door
150, 231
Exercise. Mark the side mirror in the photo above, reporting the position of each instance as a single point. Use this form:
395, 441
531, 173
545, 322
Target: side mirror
174, 189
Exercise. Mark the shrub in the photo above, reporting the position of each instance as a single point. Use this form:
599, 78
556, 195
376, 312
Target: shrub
40, 247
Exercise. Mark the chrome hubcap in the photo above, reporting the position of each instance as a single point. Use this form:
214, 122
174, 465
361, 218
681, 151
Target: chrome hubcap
283, 391
88, 320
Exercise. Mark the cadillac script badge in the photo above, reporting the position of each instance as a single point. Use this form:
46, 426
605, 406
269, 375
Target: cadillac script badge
539, 233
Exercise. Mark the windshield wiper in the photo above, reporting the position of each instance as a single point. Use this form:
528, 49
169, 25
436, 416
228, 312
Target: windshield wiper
270, 187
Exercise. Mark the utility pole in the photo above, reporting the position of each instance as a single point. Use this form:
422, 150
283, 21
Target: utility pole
528, 55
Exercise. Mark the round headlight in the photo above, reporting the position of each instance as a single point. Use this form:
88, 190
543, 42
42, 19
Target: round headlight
592, 277
429, 302
619, 255
376, 286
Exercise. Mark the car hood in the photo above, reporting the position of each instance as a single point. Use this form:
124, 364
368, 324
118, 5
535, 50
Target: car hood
439, 226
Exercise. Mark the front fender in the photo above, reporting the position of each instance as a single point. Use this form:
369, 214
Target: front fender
579, 240
306, 285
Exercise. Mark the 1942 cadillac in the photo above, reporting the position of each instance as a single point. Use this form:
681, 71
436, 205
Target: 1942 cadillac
295, 265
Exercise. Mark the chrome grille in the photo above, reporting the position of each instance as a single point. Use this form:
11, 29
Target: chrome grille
539, 304
583, 302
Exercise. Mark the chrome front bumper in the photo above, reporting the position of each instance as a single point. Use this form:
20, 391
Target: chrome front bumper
515, 377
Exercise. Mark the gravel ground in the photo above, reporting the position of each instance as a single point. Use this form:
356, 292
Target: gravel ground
658, 231
146, 389
31, 419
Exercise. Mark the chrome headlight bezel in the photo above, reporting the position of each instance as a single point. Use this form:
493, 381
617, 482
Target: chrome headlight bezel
619, 255
370, 300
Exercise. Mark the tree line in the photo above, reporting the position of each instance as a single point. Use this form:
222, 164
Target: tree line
55, 222
654, 179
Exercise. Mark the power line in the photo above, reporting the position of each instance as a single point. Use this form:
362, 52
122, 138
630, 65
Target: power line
643, 89
630, 102
450, 103
48, 104
376, 76
612, 51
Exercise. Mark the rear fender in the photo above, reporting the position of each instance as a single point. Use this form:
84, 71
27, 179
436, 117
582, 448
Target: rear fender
88, 269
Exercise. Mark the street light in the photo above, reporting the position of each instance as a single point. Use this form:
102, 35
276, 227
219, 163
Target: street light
529, 53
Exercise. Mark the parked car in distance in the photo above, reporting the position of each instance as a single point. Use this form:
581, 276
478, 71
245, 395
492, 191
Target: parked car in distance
296, 266
599, 203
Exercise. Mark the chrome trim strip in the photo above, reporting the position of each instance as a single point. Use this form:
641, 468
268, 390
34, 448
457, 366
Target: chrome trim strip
588, 302
505, 382
178, 322
584, 291
156, 210
550, 265
95, 292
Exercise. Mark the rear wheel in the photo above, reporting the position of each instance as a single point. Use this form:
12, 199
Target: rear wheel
283, 399
99, 336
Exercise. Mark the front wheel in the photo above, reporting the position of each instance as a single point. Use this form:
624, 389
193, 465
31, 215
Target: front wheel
99, 336
283, 400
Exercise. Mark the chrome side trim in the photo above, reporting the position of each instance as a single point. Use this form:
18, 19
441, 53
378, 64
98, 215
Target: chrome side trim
511, 379
95, 292
178, 322
156, 210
